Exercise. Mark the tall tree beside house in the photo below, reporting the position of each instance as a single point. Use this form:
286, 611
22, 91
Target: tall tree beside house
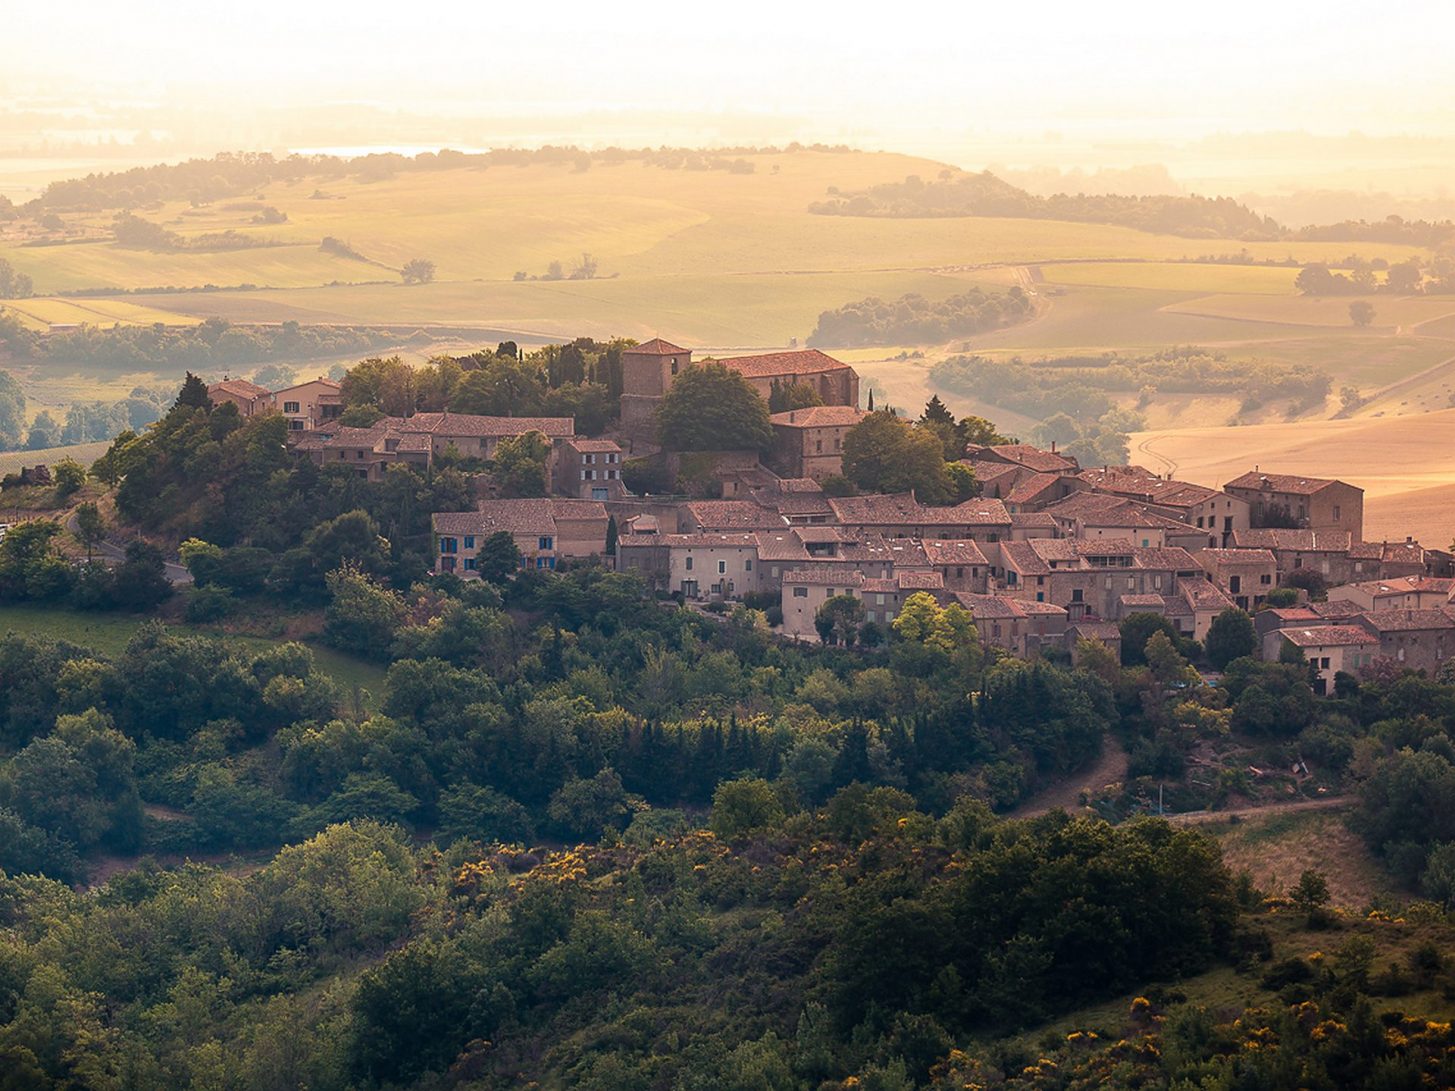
710, 408
193, 393
839, 619
499, 557
502, 386
387, 383
884, 454
1231, 636
520, 465
90, 528
783, 397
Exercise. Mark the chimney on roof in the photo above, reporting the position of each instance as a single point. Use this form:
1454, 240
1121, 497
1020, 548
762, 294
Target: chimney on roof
1053, 446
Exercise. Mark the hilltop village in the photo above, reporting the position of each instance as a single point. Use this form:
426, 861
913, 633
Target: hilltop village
1045, 555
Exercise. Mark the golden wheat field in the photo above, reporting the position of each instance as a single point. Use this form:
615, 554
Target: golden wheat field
711, 257
1406, 465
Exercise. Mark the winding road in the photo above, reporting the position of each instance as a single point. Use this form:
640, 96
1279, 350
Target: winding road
115, 552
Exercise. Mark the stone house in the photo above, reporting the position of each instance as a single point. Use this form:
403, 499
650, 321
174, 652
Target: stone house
1312, 503
810, 442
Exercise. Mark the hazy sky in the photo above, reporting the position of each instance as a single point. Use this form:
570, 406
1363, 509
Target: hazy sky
1164, 69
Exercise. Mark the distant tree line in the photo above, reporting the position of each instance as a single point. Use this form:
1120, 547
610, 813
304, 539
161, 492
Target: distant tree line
956, 193
983, 194
1082, 386
1401, 278
914, 319
213, 343
233, 173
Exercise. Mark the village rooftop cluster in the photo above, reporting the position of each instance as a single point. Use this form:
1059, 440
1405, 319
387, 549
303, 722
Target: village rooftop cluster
1049, 554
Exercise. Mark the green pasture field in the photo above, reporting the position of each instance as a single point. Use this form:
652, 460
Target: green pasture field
109, 634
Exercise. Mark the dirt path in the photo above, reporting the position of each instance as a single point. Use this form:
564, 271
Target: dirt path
1197, 818
1168, 465
1109, 768
1410, 382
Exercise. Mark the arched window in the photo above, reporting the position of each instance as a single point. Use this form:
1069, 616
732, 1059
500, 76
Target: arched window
674, 365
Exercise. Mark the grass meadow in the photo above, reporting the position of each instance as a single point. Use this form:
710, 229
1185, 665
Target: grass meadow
109, 634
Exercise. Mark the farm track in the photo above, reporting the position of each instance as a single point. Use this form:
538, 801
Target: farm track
1109, 768
1198, 818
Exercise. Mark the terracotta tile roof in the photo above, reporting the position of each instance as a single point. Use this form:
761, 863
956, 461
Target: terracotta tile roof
527, 516
320, 381
780, 546
1130, 515
797, 362
798, 485
573, 508
733, 515
1005, 608
1289, 483
1142, 602
824, 576
824, 533
518, 516
954, 553
1085, 504
979, 511
471, 424
1392, 621
656, 347
1336, 609
990, 607
706, 540
1032, 488
904, 552
1202, 595
341, 436
988, 473
1043, 609
1290, 613
1173, 558
1033, 458
1388, 552
1026, 520
1104, 631
640, 541
1023, 559
241, 388
1236, 556
594, 446
1406, 585
819, 416
1328, 636
643, 523
1300, 541
920, 581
